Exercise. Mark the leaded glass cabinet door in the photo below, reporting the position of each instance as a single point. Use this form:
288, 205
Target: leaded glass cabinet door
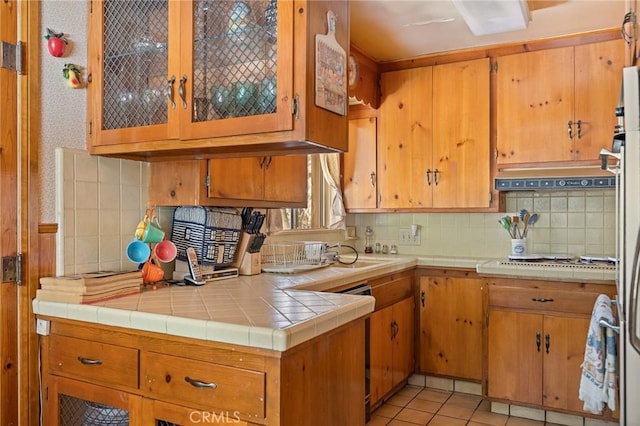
134, 44
159, 413
72, 403
237, 64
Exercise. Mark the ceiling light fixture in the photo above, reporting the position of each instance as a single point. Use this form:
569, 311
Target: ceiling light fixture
430, 21
493, 16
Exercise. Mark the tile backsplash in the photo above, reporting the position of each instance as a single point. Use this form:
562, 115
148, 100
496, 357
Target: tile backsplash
99, 202
574, 222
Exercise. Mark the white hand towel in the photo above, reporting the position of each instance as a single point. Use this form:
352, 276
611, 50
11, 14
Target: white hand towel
598, 381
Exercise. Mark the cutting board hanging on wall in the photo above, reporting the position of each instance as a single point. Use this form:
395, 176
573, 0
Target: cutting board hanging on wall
331, 70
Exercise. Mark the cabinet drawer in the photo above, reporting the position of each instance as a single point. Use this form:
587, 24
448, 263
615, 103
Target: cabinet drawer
95, 361
575, 302
390, 292
203, 384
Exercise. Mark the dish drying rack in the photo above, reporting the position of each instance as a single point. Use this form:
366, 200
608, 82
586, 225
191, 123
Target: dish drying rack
291, 257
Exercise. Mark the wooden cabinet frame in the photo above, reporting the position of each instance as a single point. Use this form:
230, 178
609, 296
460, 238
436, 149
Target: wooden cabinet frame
525, 316
299, 126
333, 362
451, 310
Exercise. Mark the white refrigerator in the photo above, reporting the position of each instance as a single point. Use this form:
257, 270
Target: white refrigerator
628, 247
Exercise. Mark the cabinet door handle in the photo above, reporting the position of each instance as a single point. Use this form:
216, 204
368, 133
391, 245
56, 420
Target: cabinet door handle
428, 173
182, 90
200, 384
579, 125
89, 361
262, 160
547, 342
541, 300
373, 179
170, 83
538, 340
268, 162
422, 298
435, 177
570, 129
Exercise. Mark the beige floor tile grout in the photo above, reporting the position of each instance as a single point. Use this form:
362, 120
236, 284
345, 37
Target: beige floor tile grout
402, 409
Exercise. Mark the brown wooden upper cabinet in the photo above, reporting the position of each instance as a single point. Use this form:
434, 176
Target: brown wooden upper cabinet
433, 137
268, 181
557, 105
277, 178
170, 79
359, 164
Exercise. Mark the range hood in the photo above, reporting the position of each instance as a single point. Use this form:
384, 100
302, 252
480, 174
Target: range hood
547, 179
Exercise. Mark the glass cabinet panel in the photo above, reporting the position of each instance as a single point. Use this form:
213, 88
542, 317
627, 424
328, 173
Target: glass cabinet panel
234, 59
135, 46
76, 411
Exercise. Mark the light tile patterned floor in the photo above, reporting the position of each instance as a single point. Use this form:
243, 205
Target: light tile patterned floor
415, 405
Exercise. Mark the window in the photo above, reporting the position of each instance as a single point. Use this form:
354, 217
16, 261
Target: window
319, 195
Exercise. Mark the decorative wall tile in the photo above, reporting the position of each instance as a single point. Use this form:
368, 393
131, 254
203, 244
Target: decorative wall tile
570, 222
99, 202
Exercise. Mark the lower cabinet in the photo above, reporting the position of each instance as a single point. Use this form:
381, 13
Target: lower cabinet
74, 402
536, 339
451, 306
101, 375
391, 328
161, 413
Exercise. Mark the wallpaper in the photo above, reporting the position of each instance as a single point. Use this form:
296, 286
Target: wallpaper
63, 109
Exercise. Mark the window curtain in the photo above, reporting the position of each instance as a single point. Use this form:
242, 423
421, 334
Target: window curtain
274, 221
330, 164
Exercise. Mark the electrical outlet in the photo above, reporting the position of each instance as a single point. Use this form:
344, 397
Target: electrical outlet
406, 239
42, 327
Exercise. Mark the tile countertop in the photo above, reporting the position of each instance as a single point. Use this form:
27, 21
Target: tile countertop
275, 311
270, 311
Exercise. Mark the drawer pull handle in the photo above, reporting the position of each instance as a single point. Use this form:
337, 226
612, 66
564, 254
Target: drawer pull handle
199, 384
89, 361
541, 299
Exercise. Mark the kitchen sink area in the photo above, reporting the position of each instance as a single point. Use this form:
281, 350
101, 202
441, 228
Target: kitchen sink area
358, 264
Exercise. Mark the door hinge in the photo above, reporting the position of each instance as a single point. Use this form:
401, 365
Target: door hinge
295, 108
487, 320
11, 56
493, 68
490, 199
207, 181
12, 269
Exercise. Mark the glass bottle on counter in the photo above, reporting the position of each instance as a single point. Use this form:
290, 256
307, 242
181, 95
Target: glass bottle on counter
368, 245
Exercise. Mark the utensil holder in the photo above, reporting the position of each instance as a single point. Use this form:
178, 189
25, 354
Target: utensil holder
519, 246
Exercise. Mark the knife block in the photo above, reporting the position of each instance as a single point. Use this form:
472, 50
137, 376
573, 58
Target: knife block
251, 264
247, 263
241, 250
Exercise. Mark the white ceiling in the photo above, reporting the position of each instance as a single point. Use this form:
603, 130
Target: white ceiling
378, 27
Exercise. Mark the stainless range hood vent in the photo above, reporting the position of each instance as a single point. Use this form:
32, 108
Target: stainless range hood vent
554, 179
